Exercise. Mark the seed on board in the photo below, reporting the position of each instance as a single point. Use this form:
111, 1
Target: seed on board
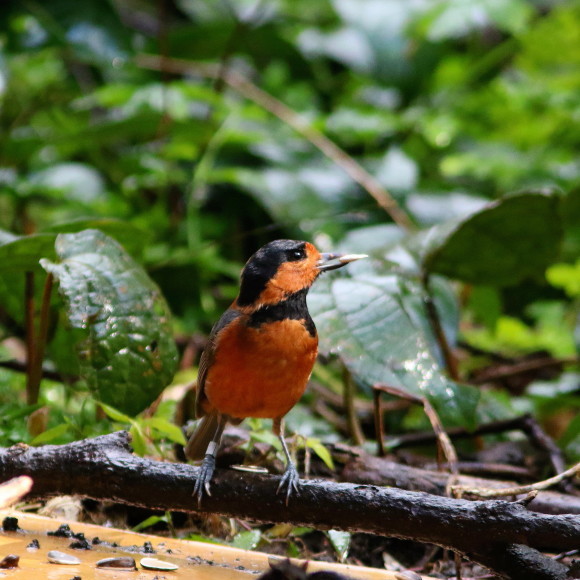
119, 563
154, 564
56, 557
10, 561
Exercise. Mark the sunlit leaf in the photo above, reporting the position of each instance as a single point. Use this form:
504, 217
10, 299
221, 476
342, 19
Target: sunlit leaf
149, 522
247, 540
115, 414
51, 434
340, 541
170, 430
321, 451
138, 440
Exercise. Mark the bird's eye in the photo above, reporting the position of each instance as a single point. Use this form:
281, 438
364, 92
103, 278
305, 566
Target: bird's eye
295, 255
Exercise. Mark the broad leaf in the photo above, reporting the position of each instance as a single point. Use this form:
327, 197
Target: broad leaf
20, 254
364, 320
509, 240
23, 253
127, 354
128, 235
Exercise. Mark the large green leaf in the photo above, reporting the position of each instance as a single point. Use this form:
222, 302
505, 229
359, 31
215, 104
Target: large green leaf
509, 240
127, 354
20, 254
364, 319
127, 234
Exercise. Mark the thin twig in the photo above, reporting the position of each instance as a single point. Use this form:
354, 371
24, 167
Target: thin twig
518, 490
379, 429
442, 438
542, 440
510, 369
31, 395
252, 92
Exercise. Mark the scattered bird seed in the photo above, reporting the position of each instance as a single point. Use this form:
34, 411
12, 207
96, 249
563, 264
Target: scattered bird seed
249, 468
154, 564
119, 563
63, 531
10, 524
10, 561
80, 544
56, 557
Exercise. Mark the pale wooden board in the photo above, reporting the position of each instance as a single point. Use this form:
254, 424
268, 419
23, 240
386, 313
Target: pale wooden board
196, 560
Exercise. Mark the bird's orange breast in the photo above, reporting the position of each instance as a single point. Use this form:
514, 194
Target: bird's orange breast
260, 371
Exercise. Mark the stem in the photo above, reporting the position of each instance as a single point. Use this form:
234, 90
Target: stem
31, 395
435, 321
36, 355
517, 490
379, 430
353, 422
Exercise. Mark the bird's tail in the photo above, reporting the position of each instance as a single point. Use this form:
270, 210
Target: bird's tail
204, 433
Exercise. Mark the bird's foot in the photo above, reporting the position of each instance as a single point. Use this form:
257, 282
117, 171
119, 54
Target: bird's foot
290, 480
203, 479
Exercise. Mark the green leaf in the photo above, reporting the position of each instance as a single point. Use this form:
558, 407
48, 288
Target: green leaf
24, 253
340, 542
364, 320
509, 240
128, 235
128, 354
50, 434
321, 451
20, 254
148, 522
247, 540
168, 429
6, 237
570, 441
565, 276
116, 415
138, 440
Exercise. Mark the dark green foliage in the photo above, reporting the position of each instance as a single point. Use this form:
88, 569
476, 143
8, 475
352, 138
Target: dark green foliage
499, 246
126, 350
450, 106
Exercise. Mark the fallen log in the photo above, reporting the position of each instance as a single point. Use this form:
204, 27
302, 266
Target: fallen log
490, 532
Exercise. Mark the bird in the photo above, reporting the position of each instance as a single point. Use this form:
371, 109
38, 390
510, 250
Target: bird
260, 353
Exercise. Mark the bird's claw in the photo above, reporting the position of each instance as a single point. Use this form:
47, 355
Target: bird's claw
291, 480
202, 484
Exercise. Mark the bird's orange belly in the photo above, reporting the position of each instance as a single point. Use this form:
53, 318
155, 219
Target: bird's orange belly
260, 372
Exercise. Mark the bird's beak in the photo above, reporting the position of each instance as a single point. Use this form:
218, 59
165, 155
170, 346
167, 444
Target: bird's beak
334, 261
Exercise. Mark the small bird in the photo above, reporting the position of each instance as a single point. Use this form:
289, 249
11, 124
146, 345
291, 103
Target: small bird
261, 352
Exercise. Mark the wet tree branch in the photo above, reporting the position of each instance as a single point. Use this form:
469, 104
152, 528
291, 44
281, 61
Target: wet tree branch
105, 468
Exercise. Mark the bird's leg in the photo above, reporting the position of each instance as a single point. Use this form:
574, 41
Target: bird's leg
290, 479
208, 464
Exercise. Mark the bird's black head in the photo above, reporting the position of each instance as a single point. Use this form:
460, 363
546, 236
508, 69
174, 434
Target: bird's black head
276, 271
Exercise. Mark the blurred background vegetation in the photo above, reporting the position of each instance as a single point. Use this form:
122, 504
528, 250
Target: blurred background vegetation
439, 136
